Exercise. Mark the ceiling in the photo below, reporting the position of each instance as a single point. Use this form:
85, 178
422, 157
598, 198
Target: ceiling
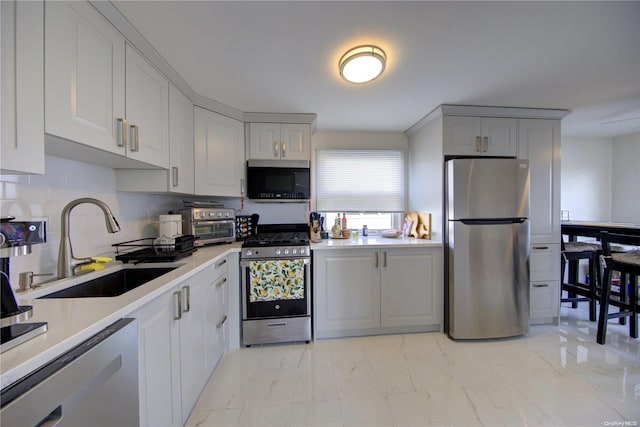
282, 57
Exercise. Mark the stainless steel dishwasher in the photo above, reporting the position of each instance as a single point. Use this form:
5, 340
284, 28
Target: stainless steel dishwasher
94, 384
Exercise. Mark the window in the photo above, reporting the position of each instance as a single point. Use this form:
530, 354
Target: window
360, 181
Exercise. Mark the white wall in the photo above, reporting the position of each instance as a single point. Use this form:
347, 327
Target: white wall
586, 178
425, 172
625, 203
42, 197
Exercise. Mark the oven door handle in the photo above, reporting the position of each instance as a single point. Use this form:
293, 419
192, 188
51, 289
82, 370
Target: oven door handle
245, 263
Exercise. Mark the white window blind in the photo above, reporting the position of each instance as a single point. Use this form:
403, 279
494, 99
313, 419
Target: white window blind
360, 180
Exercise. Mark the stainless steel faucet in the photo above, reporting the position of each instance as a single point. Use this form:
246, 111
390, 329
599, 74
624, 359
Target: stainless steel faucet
65, 253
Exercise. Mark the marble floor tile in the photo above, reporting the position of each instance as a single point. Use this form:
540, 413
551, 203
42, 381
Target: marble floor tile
555, 376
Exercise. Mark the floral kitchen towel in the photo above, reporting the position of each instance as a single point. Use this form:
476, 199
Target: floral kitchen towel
276, 280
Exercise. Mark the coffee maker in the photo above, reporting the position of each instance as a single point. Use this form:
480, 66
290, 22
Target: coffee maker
16, 239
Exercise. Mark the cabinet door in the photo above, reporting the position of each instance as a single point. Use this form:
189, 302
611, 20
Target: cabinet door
295, 141
346, 291
219, 154
462, 136
147, 109
539, 141
22, 90
410, 287
181, 178
264, 141
499, 137
193, 368
84, 76
159, 368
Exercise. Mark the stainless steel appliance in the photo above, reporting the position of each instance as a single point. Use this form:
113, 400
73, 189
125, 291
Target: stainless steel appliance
487, 248
278, 180
209, 225
94, 384
276, 292
16, 238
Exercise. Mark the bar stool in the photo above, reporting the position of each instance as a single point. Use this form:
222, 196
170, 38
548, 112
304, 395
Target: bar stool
572, 253
628, 264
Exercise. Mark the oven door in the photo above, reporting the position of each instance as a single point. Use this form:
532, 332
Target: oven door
275, 288
214, 231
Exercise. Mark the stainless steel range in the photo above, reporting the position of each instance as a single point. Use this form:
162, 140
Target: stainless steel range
276, 291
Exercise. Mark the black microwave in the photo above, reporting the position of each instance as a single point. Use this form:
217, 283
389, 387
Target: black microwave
278, 180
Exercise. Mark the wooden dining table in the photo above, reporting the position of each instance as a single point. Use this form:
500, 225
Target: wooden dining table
574, 229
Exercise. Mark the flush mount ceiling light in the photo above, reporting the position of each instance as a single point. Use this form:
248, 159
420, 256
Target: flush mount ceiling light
362, 64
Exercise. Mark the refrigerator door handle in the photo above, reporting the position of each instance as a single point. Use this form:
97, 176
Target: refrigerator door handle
496, 221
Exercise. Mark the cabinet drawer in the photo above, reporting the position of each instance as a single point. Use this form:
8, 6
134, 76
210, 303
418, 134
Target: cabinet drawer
544, 262
544, 299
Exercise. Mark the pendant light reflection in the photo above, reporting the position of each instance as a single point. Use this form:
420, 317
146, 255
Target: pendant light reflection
362, 64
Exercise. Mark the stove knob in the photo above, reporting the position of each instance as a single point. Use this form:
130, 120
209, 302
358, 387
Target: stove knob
220, 214
248, 252
202, 214
286, 251
301, 251
278, 252
212, 214
227, 214
294, 252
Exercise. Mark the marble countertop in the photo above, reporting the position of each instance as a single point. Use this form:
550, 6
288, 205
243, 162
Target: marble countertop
374, 242
71, 321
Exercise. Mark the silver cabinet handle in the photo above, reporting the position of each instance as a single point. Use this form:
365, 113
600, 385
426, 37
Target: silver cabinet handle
377, 260
486, 144
477, 144
187, 299
122, 132
284, 149
221, 263
219, 325
276, 149
177, 305
135, 142
541, 285
541, 247
384, 259
221, 282
174, 176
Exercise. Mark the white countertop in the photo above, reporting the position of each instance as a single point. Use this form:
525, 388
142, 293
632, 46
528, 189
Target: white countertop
71, 321
374, 242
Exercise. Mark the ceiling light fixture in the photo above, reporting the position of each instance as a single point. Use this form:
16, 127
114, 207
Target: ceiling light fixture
362, 64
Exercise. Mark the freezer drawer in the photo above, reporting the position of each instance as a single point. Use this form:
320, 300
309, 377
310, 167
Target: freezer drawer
488, 280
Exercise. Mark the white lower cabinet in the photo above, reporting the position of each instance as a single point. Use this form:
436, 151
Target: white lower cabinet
544, 285
159, 363
368, 291
182, 337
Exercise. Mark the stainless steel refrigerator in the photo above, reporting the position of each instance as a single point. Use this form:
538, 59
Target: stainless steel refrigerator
487, 248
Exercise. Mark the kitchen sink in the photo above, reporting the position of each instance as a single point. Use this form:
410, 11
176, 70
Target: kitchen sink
111, 285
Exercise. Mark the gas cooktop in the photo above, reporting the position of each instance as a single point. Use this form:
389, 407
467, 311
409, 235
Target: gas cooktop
278, 235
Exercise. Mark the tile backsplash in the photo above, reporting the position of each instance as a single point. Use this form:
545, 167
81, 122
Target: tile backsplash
42, 198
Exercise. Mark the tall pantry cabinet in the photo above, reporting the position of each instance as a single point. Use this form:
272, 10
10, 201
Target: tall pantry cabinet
525, 133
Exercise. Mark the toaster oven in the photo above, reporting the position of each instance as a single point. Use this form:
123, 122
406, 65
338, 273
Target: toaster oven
209, 225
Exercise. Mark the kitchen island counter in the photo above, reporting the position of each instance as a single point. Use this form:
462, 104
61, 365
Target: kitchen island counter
374, 242
73, 320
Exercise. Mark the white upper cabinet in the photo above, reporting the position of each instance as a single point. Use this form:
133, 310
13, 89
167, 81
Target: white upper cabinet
539, 142
279, 141
85, 97
84, 77
219, 154
147, 109
181, 142
480, 136
22, 88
